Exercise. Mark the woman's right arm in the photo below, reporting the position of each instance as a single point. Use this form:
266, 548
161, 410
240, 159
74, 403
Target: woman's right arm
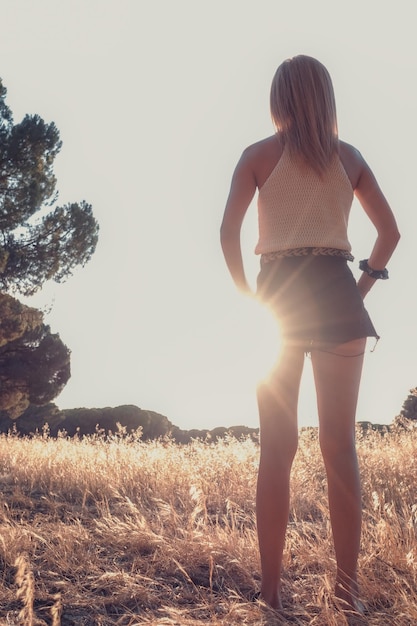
379, 212
242, 191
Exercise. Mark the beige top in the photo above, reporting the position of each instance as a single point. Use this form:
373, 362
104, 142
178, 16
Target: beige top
297, 208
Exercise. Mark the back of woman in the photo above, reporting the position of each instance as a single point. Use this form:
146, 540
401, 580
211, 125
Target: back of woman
306, 179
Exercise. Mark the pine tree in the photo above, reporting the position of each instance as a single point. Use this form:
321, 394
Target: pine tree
39, 241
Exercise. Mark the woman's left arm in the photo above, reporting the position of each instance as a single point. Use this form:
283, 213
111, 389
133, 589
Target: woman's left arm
379, 212
241, 193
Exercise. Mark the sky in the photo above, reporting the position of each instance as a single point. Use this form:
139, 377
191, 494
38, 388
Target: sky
155, 100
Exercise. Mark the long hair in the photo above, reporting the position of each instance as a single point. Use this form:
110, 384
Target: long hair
303, 110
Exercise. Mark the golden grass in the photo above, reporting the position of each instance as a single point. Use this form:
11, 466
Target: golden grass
96, 532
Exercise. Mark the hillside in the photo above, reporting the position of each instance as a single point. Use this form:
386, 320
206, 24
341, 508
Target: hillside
127, 418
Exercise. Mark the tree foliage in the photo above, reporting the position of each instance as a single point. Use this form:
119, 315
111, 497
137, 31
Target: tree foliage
34, 363
38, 240
409, 410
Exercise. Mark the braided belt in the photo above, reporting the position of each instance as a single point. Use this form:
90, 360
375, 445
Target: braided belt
271, 256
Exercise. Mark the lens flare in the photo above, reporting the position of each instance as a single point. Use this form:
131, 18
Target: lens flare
263, 341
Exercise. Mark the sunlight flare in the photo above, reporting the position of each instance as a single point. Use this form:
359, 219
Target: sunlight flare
263, 342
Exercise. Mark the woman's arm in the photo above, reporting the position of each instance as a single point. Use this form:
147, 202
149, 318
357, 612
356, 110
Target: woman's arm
379, 212
241, 193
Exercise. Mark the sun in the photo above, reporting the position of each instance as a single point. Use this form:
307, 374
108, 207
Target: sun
263, 341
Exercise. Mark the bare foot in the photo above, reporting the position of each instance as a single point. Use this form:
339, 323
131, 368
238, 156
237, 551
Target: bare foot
271, 598
348, 598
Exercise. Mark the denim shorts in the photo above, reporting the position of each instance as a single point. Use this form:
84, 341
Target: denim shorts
315, 299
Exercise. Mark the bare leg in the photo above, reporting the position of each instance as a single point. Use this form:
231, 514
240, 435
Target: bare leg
337, 377
277, 402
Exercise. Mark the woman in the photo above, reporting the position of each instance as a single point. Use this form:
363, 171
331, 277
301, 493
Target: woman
307, 178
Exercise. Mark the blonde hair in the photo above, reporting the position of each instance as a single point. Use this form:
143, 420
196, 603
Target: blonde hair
303, 110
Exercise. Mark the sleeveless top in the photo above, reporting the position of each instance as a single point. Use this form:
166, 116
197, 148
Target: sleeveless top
298, 208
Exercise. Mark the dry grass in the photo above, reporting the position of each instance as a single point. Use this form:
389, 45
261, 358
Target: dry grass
124, 532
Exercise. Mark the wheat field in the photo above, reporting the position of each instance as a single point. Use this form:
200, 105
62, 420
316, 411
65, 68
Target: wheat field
96, 532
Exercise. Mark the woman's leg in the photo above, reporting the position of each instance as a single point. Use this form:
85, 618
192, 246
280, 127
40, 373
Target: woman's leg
337, 376
277, 402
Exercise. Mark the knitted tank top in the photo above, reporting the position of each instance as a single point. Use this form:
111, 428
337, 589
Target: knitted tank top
297, 208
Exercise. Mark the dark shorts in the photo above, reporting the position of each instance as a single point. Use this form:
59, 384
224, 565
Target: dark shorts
315, 299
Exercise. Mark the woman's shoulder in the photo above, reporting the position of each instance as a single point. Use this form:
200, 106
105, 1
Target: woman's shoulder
350, 151
352, 161
265, 148
262, 157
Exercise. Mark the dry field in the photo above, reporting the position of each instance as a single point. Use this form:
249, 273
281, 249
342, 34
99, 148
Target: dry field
96, 532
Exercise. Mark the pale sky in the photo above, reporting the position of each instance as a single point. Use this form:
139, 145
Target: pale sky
155, 101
